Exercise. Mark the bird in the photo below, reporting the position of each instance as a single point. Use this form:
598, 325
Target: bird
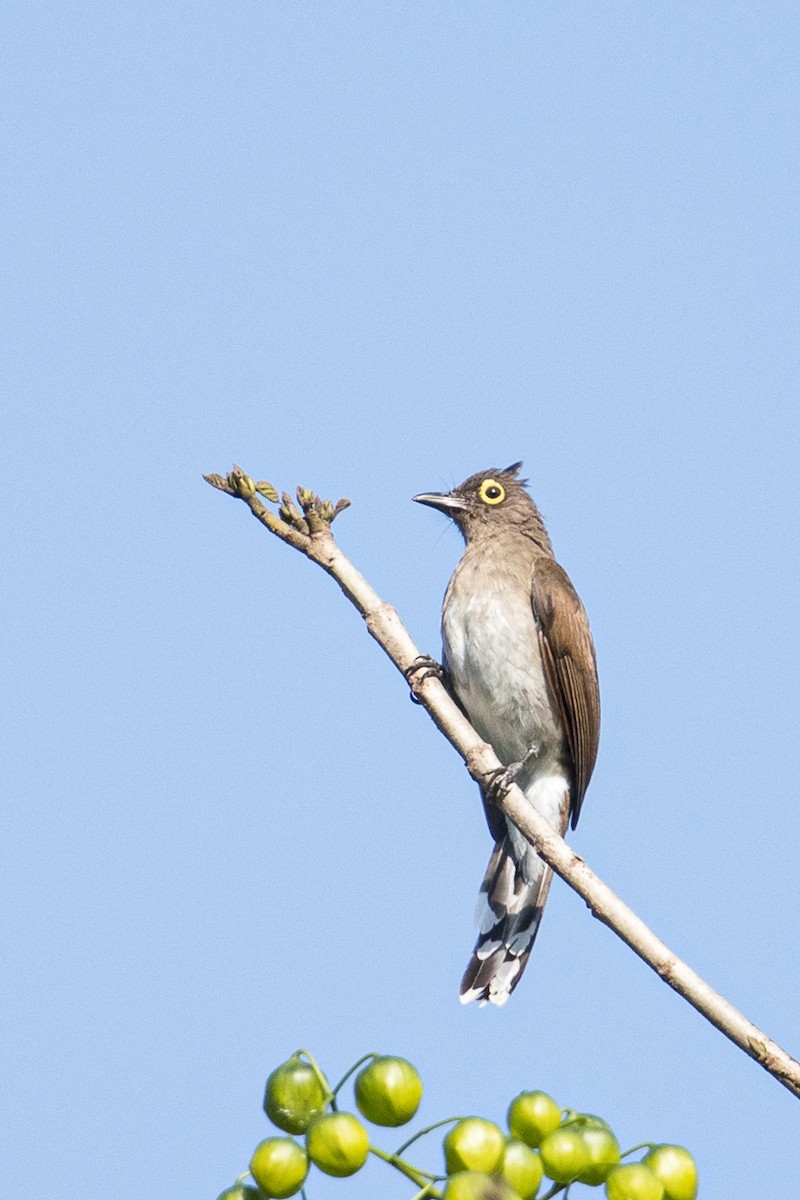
519, 659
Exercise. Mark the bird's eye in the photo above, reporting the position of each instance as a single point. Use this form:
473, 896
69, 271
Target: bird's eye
492, 492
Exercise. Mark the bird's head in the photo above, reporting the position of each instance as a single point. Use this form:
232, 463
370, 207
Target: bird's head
489, 503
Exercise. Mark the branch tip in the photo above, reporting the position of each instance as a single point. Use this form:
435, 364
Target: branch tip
316, 513
219, 482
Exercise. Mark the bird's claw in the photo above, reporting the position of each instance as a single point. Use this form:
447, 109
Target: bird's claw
427, 667
500, 780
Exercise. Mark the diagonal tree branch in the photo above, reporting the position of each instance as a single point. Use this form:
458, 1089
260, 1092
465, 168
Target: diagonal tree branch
308, 529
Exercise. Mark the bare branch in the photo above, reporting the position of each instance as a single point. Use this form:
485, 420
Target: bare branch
309, 531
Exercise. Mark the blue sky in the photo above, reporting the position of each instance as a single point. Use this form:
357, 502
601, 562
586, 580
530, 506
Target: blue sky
372, 248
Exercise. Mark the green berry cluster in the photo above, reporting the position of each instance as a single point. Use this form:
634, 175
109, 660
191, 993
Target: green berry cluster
481, 1161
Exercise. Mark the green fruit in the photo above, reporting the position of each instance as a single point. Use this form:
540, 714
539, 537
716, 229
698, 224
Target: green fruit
676, 1169
388, 1091
279, 1167
604, 1153
603, 1147
241, 1191
294, 1096
477, 1185
474, 1145
338, 1144
532, 1115
522, 1169
564, 1155
633, 1181
580, 1121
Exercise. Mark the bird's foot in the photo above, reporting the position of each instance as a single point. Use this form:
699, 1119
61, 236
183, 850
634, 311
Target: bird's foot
501, 779
424, 667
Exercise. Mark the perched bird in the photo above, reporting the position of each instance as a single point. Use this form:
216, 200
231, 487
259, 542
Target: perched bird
518, 657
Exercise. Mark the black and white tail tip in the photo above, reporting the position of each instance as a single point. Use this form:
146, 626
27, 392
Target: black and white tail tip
507, 914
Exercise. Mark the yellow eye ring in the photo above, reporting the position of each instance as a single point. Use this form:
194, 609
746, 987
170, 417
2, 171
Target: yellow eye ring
492, 492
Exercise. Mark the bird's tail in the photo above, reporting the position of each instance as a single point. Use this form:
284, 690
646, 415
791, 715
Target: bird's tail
508, 913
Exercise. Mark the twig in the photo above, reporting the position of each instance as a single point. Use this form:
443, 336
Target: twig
309, 531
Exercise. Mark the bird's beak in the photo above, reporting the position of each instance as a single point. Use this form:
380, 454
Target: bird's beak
446, 502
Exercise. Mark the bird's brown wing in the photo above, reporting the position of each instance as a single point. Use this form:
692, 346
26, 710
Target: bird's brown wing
570, 668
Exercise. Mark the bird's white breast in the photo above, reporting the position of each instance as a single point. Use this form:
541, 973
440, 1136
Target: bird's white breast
492, 653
